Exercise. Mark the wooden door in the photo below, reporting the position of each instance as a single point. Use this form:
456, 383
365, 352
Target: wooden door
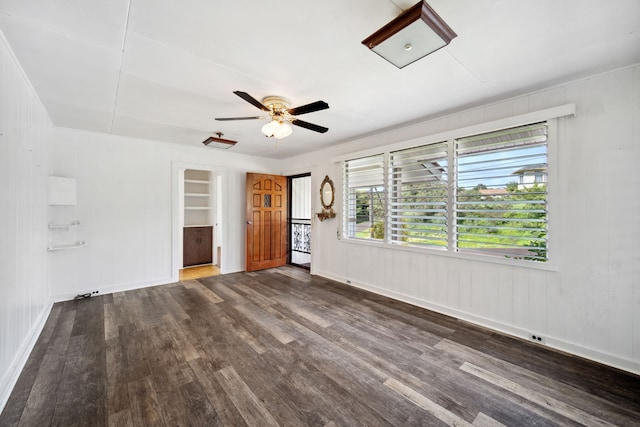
266, 221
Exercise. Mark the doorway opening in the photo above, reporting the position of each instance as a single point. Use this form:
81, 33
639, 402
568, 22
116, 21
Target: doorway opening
300, 220
201, 249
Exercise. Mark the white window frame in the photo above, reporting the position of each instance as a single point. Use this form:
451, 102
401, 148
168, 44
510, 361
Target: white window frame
551, 116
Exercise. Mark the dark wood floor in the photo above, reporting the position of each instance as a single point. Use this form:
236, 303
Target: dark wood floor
281, 347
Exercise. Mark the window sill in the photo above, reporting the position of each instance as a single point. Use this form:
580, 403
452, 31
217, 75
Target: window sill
547, 266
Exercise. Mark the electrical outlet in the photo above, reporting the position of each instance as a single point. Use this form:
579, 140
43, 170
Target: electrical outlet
87, 295
537, 338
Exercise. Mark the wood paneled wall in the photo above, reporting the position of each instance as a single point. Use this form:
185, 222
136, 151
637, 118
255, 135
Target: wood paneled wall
590, 305
25, 132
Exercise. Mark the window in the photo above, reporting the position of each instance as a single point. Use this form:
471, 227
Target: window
497, 213
365, 198
482, 194
418, 206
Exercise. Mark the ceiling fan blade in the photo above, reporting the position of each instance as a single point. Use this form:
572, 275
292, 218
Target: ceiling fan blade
226, 119
309, 108
251, 100
310, 126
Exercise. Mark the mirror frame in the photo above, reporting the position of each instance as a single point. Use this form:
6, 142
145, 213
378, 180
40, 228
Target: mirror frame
327, 209
327, 181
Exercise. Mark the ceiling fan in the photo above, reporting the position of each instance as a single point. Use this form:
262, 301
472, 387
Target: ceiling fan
280, 115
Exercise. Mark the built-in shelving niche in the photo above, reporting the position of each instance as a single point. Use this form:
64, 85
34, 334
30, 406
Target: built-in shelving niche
197, 198
198, 217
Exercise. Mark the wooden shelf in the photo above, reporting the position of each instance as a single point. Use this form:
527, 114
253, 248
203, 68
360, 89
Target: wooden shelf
197, 199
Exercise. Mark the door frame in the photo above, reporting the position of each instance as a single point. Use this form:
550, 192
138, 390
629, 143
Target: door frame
314, 201
290, 179
177, 212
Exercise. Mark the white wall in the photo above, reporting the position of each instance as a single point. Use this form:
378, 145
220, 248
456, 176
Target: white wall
126, 207
589, 306
24, 277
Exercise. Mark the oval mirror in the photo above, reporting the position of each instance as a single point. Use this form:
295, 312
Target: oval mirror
327, 193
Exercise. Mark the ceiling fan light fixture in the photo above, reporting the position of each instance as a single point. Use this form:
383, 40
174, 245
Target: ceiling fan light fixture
414, 34
280, 115
277, 129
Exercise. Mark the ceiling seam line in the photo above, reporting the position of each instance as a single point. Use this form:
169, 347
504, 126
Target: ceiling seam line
59, 32
172, 86
202, 58
124, 42
165, 122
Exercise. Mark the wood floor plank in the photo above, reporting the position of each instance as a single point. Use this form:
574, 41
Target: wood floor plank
268, 322
249, 406
264, 375
588, 376
110, 323
173, 307
167, 374
447, 386
249, 339
200, 412
554, 405
294, 273
283, 347
145, 407
432, 408
17, 400
254, 296
117, 391
541, 384
135, 363
301, 310
202, 291
40, 406
483, 420
121, 419
227, 293
318, 393
187, 347
361, 379
122, 314
84, 369
226, 411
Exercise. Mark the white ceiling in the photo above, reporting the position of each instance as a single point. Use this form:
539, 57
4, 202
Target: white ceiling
163, 69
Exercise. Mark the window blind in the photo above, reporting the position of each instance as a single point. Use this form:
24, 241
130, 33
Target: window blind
418, 199
365, 197
501, 193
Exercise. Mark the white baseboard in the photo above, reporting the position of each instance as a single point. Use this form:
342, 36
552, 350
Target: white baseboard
233, 269
9, 380
552, 342
116, 288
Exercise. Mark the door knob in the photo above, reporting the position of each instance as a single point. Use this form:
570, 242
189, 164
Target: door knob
249, 222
